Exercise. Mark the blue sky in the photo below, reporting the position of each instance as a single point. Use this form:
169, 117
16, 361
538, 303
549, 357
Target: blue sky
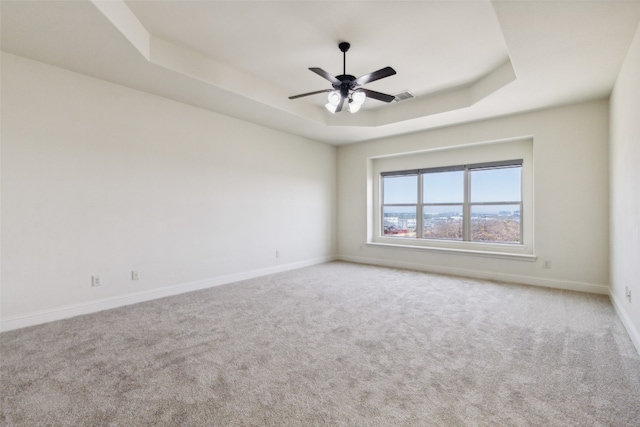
489, 185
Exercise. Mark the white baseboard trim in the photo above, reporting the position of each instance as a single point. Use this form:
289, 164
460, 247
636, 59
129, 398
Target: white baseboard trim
59, 313
593, 288
633, 332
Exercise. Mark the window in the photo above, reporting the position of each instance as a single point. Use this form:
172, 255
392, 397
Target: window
400, 201
471, 203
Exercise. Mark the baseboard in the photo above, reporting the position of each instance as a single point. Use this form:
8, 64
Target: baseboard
73, 310
633, 332
593, 288
64, 312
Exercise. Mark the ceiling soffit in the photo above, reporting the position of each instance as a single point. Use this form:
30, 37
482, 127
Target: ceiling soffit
201, 67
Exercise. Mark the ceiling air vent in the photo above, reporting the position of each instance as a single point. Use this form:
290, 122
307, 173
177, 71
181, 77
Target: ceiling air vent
401, 96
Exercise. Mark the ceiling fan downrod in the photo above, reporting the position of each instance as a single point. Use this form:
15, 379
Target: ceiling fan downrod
344, 48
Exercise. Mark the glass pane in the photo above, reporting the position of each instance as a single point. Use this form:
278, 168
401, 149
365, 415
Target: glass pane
399, 221
442, 222
496, 185
400, 189
495, 223
443, 187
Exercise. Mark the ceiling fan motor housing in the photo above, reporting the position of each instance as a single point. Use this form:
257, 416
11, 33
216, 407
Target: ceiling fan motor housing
347, 83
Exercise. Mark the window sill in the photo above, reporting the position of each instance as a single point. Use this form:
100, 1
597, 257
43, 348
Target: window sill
459, 251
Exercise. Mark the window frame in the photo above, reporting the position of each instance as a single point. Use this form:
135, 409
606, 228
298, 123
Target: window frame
433, 153
466, 204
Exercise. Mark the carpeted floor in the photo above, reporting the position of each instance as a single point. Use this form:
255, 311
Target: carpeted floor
336, 344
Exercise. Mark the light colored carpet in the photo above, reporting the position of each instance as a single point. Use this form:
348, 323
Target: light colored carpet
337, 344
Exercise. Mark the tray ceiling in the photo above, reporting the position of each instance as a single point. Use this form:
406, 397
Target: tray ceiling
463, 61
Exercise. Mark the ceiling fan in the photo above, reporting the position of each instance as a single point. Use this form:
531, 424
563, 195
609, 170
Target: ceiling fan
347, 88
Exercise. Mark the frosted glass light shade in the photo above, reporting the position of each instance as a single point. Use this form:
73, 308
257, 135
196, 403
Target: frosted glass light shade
334, 100
357, 99
354, 108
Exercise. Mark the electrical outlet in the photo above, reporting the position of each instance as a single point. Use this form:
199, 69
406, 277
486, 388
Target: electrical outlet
362, 247
546, 264
135, 275
96, 280
627, 293
277, 254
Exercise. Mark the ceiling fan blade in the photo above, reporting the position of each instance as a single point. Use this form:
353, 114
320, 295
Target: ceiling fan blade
339, 107
311, 93
376, 75
323, 73
377, 95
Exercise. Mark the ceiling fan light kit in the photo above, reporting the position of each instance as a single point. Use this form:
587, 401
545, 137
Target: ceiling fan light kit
347, 88
356, 99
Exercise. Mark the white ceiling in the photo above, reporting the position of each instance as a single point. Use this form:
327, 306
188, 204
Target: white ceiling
463, 60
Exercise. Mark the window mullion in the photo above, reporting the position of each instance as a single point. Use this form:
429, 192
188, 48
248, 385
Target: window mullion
466, 207
419, 209
381, 195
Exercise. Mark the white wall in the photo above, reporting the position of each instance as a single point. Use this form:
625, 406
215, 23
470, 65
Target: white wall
571, 228
625, 191
101, 179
